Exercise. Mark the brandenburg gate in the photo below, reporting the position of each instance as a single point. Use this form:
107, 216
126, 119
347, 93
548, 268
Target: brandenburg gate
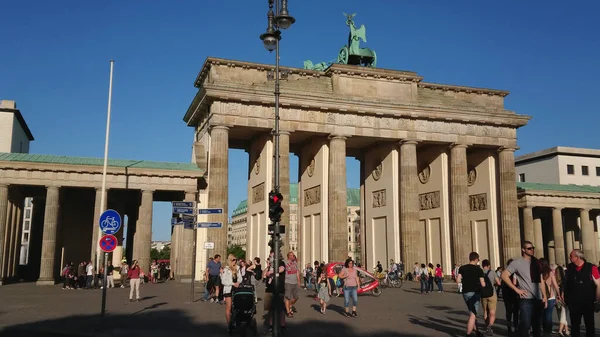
437, 164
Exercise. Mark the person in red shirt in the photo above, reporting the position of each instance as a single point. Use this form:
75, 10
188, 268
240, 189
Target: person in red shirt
582, 293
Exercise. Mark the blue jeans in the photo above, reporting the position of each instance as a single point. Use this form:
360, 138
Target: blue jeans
350, 291
424, 285
530, 316
547, 320
439, 284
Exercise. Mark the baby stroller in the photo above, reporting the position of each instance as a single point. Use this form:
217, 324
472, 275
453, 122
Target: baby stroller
243, 310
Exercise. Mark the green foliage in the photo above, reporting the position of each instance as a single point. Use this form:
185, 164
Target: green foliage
237, 251
164, 254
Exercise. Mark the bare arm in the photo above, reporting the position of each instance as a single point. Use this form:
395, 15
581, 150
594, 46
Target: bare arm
482, 281
597, 281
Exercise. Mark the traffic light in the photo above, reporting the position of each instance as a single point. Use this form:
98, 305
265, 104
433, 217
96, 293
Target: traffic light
272, 229
271, 243
275, 209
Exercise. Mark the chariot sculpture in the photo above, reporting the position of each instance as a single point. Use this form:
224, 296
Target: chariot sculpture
351, 53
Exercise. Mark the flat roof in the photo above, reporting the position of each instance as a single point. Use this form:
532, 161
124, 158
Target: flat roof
87, 161
558, 187
21, 120
556, 151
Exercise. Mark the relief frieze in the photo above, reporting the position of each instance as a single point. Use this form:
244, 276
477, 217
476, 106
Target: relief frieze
430, 200
478, 202
379, 198
258, 193
312, 196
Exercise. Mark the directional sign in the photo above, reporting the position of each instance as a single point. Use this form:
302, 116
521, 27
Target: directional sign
210, 225
209, 245
183, 210
210, 211
110, 221
187, 204
108, 243
188, 225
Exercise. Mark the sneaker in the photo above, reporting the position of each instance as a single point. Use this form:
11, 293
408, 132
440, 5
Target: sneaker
346, 314
294, 310
212, 300
269, 331
489, 331
354, 314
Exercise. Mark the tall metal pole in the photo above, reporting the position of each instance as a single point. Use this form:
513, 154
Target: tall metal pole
276, 247
103, 198
193, 279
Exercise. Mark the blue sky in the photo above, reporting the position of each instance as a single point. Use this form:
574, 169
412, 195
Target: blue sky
55, 61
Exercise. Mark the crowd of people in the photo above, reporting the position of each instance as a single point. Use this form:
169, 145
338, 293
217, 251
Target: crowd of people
223, 279
531, 289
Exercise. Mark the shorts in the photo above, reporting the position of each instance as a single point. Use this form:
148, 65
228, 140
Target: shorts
472, 300
227, 295
214, 281
489, 304
268, 302
291, 291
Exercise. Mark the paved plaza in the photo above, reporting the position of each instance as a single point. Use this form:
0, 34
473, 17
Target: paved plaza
165, 310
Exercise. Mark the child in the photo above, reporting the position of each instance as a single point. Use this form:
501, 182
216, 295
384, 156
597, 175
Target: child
324, 291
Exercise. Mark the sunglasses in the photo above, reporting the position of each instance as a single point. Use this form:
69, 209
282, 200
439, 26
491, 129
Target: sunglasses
529, 248
234, 260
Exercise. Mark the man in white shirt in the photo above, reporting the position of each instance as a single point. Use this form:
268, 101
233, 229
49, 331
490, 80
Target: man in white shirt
89, 273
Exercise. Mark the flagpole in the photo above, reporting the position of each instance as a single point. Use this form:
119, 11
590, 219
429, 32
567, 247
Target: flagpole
104, 169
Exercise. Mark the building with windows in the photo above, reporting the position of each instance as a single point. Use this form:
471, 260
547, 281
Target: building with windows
14, 132
558, 193
237, 232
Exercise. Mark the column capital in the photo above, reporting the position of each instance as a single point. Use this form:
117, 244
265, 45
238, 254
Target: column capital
458, 145
218, 127
336, 136
4, 185
52, 187
148, 191
584, 210
508, 148
557, 208
409, 141
285, 132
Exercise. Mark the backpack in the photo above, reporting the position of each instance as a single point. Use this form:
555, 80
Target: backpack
424, 274
258, 273
488, 290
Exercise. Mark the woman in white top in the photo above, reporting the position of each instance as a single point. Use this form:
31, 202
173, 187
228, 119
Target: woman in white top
563, 326
229, 279
549, 281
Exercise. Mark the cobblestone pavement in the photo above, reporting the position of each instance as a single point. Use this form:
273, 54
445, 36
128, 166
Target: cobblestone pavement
165, 309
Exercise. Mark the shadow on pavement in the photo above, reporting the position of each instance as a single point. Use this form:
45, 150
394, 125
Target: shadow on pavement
171, 323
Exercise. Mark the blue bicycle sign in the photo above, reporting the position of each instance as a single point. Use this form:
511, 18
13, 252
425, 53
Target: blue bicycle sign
110, 221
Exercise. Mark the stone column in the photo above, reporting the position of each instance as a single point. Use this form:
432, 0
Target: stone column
338, 233
509, 213
218, 186
587, 234
559, 240
409, 203
551, 252
284, 185
47, 264
142, 240
363, 219
459, 200
186, 249
528, 228
538, 237
570, 239
96, 232
3, 220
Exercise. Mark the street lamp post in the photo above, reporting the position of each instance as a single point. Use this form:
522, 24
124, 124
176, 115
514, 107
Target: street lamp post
280, 19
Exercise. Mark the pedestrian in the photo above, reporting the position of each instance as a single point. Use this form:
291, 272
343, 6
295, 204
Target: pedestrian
292, 284
511, 303
553, 293
351, 284
212, 275
472, 279
124, 271
439, 277
230, 278
134, 281
489, 301
324, 291
532, 296
561, 311
109, 275
422, 275
274, 297
582, 293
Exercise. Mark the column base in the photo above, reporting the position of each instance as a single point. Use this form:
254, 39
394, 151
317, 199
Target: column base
45, 283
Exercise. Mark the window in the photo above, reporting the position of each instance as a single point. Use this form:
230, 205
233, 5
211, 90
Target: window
26, 226
570, 169
28, 214
522, 177
25, 238
597, 171
584, 170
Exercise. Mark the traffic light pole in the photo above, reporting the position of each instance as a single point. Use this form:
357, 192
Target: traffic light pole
276, 247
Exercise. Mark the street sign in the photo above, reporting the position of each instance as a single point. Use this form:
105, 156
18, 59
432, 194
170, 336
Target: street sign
209, 245
210, 225
187, 204
183, 210
108, 243
210, 211
110, 221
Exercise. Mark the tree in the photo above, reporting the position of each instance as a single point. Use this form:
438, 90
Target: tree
154, 254
237, 251
164, 254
